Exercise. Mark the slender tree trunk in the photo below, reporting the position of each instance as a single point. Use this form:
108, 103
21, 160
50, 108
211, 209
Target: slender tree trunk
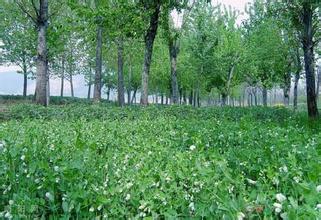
264, 94
42, 65
71, 86
134, 96
295, 90
286, 89
190, 99
89, 84
162, 99
286, 96
255, 95
149, 42
62, 77
129, 87
173, 52
198, 99
89, 91
194, 98
184, 97
108, 93
224, 99
98, 70
25, 77
121, 97
318, 83
307, 41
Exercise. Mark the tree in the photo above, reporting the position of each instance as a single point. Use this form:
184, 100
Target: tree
17, 37
303, 14
37, 11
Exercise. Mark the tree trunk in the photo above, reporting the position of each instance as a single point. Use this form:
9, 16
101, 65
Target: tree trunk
295, 90
129, 86
162, 99
134, 96
318, 83
307, 41
264, 94
89, 84
25, 78
224, 99
121, 97
98, 70
108, 93
149, 42
71, 86
286, 89
190, 98
62, 78
89, 91
42, 65
286, 96
255, 95
194, 98
173, 52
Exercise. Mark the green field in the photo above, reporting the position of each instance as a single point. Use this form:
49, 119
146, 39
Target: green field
83, 161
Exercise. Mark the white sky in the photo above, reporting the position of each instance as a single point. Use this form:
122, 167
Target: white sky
238, 5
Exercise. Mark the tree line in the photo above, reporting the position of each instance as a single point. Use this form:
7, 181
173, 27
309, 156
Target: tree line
183, 49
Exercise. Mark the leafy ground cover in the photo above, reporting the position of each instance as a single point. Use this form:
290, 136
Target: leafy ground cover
85, 161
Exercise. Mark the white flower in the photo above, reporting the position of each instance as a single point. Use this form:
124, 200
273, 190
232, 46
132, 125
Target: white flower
275, 181
191, 206
240, 216
318, 206
319, 188
129, 185
284, 215
277, 205
99, 207
296, 179
8, 215
11, 202
251, 181
127, 197
49, 196
280, 197
278, 210
283, 169
23, 157
142, 206
56, 168
57, 179
192, 147
92, 209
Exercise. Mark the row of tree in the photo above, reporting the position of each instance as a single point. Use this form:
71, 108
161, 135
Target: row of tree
182, 49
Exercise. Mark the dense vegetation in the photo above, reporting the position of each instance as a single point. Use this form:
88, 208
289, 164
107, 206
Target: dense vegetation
84, 161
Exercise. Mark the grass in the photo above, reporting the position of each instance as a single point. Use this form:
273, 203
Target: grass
84, 161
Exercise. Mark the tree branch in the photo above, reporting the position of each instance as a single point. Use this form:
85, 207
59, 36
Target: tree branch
23, 9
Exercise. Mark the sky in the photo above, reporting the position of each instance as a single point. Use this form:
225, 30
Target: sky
11, 82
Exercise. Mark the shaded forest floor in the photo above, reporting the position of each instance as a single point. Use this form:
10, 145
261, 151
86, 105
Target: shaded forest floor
84, 161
